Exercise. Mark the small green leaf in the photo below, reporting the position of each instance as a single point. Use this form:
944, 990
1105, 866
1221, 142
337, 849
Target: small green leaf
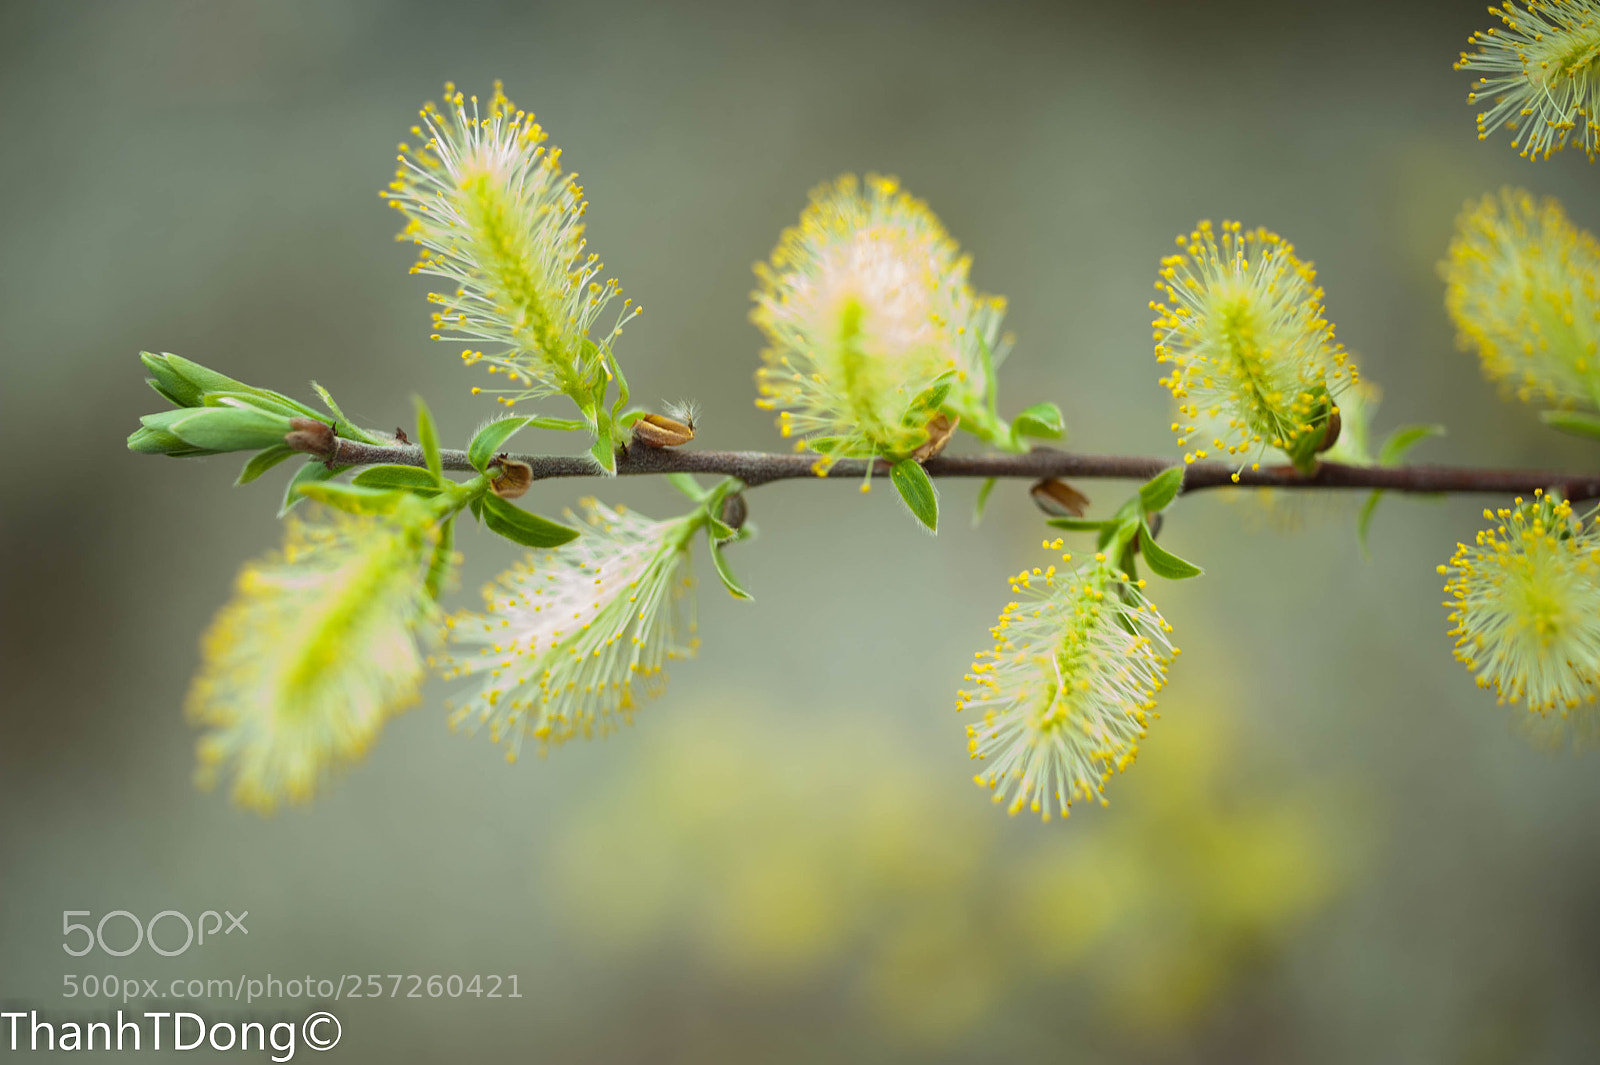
165, 379
1164, 563
267, 402
444, 557
725, 573
1078, 524
189, 380
1573, 422
428, 440
355, 499
686, 484
311, 473
262, 461
983, 499
916, 488
230, 428
603, 451
1364, 519
1405, 438
933, 396
1158, 492
1041, 420
991, 384
519, 526
622, 383
153, 440
489, 440
411, 478
328, 401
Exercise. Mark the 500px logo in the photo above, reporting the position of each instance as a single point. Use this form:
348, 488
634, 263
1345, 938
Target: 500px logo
145, 933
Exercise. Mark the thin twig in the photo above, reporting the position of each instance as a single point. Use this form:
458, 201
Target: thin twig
757, 468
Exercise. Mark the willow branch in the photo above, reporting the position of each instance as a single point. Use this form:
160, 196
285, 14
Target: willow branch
757, 468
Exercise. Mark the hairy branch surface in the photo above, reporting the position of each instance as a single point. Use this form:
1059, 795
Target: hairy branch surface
757, 468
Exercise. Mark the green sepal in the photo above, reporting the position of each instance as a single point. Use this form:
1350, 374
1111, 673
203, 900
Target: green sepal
476, 506
1040, 420
1573, 422
984, 491
229, 428
410, 478
1406, 437
428, 440
356, 499
629, 417
1157, 494
313, 472
916, 489
262, 461
486, 443
1164, 563
1078, 524
439, 566
686, 484
724, 573
519, 526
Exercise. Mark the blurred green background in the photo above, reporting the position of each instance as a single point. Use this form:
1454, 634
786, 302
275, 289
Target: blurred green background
1333, 848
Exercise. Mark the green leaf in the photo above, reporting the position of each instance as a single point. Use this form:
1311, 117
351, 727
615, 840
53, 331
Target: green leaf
622, 383
983, 499
153, 440
1164, 563
411, 478
355, 499
188, 380
271, 404
230, 428
1364, 519
603, 451
991, 383
519, 526
1573, 422
1158, 492
311, 473
686, 484
165, 379
1041, 420
428, 439
262, 461
328, 401
443, 561
916, 489
725, 573
489, 440
1405, 438
1078, 524
1121, 530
